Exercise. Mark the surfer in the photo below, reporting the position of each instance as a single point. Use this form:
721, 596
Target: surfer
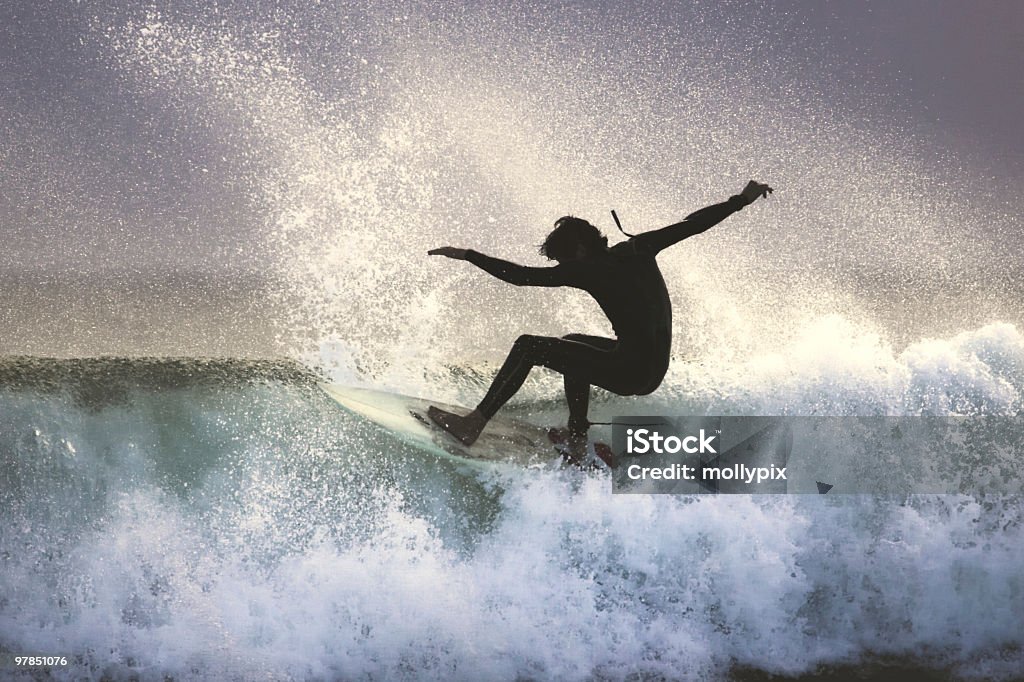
626, 282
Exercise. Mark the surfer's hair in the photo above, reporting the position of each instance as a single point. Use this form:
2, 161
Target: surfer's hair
570, 232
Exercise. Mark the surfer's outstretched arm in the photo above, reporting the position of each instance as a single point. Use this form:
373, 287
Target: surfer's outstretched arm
700, 221
562, 275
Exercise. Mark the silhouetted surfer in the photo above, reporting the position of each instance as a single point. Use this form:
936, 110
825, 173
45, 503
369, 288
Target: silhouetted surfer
627, 284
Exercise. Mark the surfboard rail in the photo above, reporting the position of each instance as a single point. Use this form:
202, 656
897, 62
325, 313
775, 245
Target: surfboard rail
505, 441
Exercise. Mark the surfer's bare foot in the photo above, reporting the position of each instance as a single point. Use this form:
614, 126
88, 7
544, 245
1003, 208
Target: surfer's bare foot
464, 429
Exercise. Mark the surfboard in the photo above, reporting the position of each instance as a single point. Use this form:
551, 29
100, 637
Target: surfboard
505, 440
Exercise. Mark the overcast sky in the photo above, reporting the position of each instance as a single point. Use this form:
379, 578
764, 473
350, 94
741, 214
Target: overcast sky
98, 175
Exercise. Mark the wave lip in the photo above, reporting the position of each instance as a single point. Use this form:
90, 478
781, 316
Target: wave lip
102, 381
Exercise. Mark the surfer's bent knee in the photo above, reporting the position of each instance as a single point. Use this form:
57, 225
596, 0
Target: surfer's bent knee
529, 340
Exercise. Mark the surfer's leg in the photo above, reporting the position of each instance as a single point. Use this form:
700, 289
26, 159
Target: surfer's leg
577, 395
577, 387
521, 359
526, 353
567, 356
576, 357
598, 342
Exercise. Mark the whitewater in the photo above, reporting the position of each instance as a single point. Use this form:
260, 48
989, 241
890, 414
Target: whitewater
226, 520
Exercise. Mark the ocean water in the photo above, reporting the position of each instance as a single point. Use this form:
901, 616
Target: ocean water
188, 519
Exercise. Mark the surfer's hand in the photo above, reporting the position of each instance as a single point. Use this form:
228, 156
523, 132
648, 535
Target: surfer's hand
449, 251
755, 189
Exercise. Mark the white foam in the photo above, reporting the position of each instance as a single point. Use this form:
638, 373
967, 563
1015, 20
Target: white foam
570, 583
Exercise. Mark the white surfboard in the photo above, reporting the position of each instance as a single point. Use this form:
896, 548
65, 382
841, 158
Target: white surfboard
504, 441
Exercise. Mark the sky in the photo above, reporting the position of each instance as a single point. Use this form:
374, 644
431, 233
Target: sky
190, 177
100, 175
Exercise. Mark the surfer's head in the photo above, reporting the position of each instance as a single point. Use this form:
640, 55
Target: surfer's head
573, 239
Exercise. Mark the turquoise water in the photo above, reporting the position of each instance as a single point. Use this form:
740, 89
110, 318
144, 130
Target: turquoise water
226, 520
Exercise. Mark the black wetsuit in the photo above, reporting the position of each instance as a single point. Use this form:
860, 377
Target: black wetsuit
626, 282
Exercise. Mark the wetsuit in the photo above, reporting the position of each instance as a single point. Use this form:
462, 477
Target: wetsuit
626, 282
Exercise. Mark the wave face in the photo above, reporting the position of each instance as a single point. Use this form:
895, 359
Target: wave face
201, 520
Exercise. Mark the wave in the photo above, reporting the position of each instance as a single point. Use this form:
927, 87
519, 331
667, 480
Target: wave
224, 519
